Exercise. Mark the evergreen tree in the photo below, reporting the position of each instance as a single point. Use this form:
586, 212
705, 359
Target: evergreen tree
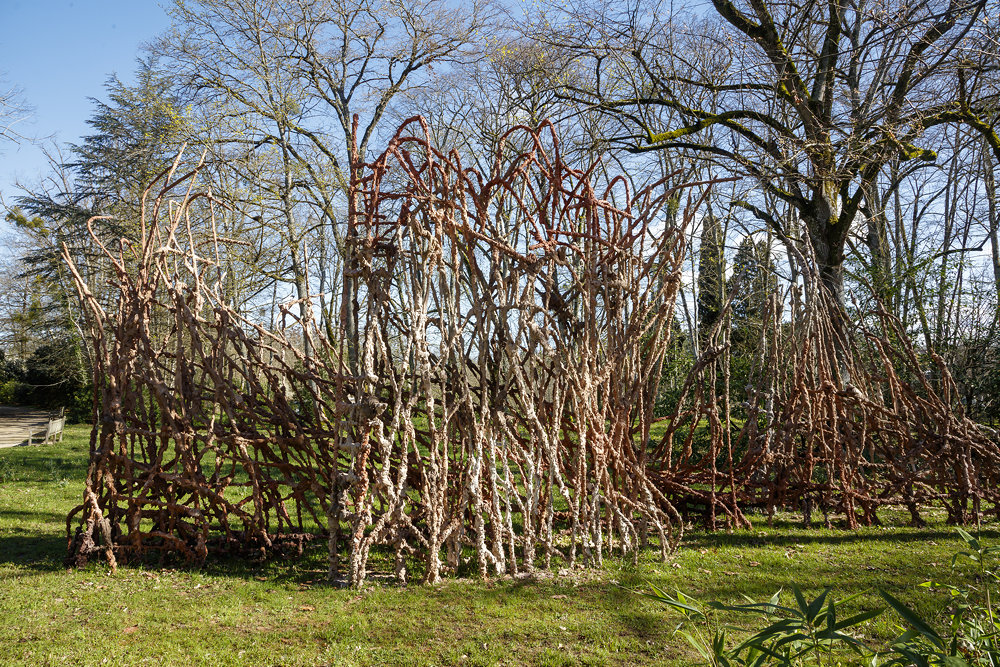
711, 277
753, 281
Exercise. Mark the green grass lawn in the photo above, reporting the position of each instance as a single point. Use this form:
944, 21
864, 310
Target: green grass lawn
282, 613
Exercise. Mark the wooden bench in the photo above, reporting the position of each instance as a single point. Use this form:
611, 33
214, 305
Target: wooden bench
53, 430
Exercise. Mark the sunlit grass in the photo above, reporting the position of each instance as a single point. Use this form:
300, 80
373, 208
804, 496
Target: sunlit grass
235, 612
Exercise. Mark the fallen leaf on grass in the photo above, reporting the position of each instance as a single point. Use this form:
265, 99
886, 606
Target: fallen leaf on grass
753, 563
558, 597
131, 629
307, 607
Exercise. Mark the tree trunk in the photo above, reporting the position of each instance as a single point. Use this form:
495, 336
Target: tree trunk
349, 298
994, 221
877, 240
828, 236
302, 293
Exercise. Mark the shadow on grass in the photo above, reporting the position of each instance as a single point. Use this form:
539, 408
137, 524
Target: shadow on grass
43, 464
38, 553
310, 569
26, 516
798, 535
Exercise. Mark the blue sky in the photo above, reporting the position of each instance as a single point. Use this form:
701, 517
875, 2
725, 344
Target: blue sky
60, 53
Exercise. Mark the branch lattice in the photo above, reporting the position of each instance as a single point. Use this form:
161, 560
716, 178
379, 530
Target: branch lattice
842, 417
496, 409
511, 333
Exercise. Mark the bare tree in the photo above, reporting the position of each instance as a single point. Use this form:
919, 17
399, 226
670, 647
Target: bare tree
810, 100
313, 82
13, 110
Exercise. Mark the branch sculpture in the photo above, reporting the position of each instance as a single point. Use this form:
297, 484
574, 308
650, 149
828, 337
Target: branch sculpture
496, 408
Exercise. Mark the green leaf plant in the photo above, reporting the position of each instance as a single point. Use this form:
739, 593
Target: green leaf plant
971, 638
813, 632
807, 632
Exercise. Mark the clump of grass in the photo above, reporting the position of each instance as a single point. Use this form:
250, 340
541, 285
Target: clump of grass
8, 471
56, 472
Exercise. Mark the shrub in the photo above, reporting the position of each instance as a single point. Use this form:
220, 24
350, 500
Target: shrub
11, 392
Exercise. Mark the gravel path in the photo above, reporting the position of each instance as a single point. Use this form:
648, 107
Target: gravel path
16, 422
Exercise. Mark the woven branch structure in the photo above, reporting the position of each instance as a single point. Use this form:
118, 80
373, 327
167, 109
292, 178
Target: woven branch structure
844, 417
511, 333
496, 409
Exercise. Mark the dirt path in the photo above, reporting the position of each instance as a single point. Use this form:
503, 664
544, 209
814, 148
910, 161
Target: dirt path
16, 422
